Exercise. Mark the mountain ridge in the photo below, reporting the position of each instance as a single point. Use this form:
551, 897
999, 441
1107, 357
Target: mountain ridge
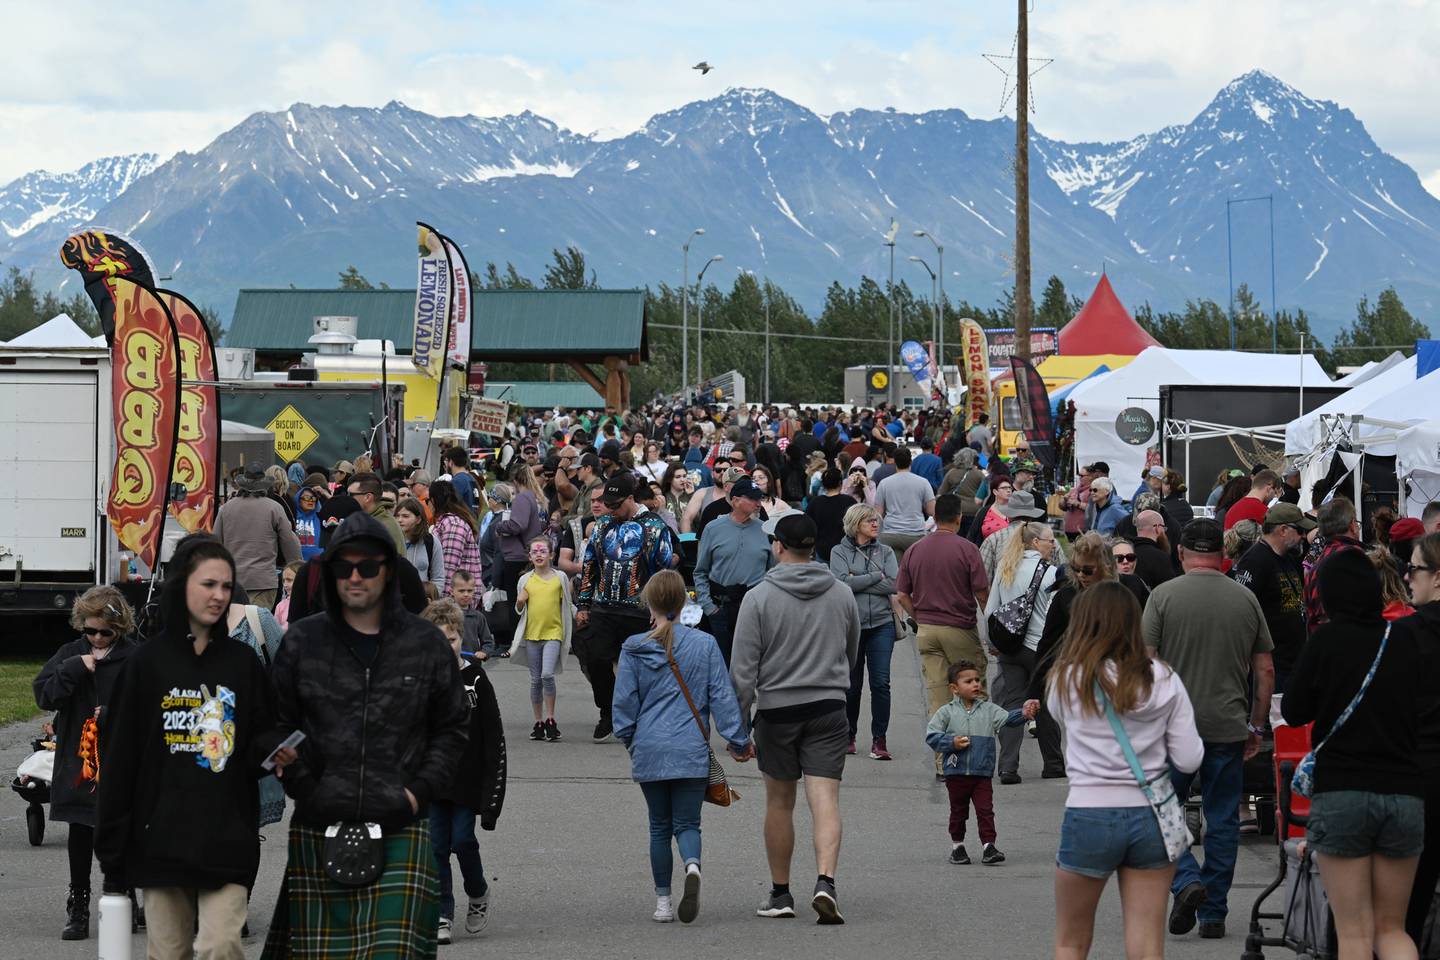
293, 196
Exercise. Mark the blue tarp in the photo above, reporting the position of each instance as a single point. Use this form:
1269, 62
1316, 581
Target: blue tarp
1058, 397
1427, 357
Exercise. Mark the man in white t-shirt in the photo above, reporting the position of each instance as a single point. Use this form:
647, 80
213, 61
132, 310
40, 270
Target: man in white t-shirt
904, 501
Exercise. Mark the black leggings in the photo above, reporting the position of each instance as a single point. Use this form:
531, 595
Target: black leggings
1427, 872
81, 847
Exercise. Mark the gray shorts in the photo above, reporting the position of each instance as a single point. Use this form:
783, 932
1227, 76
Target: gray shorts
1358, 823
814, 747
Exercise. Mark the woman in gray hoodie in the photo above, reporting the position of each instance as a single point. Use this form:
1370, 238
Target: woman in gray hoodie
868, 568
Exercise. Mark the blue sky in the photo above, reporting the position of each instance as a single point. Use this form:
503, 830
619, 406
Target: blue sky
172, 76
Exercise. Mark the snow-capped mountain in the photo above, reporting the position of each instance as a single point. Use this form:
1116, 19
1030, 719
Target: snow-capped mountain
55, 203
295, 196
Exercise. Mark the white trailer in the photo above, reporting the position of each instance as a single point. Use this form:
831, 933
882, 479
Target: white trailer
56, 453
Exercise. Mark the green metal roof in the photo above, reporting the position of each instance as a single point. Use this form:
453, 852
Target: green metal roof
509, 324
532, 394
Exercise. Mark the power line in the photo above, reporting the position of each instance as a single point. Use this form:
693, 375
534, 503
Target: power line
761, 333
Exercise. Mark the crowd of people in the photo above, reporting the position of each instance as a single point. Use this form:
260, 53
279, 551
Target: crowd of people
330, 640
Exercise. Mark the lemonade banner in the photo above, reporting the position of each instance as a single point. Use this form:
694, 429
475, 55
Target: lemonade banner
432, 304
197, 438
460, 306
974, 370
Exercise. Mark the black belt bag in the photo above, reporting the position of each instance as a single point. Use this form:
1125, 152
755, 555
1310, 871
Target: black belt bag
354, 853
727, 596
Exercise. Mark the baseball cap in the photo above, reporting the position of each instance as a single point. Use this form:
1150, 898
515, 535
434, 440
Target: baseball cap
1406, 528
1099, 466
1288, 513
1202, 535
745, 487
589, 460
421, 476
796, 531
344, 466
732, 474
618, 489
1157, 471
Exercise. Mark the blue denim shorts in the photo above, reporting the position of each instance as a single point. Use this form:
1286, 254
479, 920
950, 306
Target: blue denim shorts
1096, 841
1357, 823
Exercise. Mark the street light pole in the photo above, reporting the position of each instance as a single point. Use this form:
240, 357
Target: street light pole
890, 355
940, 309
685, 313
934, 317
767, 342
700, 319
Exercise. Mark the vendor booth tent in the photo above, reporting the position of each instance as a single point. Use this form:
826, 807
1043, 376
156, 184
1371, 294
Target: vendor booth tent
1099, 401
1373, 419
1305, 434
1103, 325
1417, 464
57, 332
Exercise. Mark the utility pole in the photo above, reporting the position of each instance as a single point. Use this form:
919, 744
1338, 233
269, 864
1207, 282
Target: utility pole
1023, 305
890, 354
767, 342
685, 313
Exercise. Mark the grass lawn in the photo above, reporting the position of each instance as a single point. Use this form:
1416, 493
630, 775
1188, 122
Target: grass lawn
17, 697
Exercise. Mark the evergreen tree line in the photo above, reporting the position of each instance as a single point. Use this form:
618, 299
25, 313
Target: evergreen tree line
808, 356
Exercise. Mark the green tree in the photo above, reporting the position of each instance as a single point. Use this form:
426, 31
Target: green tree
510, 279
568, 271
1378, 330
24, 308
1056, 307
352, 279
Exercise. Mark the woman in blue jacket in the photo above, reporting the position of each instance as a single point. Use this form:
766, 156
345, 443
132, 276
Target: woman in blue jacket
669, 756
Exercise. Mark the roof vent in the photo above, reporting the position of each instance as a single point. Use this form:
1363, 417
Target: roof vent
335, 336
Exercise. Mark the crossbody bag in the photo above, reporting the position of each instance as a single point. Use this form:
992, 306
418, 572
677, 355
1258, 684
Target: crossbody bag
1303, 782
1160, 791
717, 788
1009, 621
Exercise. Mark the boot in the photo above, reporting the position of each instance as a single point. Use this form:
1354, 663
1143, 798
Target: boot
77, 915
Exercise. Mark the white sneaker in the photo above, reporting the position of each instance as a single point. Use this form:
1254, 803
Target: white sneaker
690, 902
477, 915
664, 913
443, 935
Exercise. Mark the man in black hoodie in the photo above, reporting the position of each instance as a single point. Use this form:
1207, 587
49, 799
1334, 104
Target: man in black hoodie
376, 691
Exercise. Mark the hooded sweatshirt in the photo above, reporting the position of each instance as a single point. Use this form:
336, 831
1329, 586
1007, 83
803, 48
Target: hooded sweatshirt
381, 714
184, 737
796, 639
981, 721
651, 716
307, 527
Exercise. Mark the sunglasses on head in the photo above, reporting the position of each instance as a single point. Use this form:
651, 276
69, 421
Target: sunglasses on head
369, 567
97, 631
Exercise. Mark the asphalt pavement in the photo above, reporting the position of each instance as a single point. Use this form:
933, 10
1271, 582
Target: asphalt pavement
570, 875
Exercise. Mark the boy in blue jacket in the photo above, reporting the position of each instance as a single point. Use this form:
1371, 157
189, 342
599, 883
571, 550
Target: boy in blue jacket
963, 733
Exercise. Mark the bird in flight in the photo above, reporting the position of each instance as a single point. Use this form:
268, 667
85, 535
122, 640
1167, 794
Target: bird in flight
703, 66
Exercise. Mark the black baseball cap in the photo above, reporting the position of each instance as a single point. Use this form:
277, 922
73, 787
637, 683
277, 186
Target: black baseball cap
588, 460
610, 450
1202, 535
1099, 466
618, 489
796, 531
745, 487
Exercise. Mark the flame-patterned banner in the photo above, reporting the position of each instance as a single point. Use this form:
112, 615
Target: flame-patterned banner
197, 439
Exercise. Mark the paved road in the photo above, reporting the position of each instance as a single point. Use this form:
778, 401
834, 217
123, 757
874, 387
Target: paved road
571, 875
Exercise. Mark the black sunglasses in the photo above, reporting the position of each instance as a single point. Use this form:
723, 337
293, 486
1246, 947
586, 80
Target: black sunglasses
1413, 566
369, 567
1124, 558
1083, 571
97, 632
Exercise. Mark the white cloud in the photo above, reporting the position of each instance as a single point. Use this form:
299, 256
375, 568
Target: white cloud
1122, 67
1432, 183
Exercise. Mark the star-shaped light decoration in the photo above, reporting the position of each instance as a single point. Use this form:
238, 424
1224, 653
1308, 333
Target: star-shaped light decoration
1008, 72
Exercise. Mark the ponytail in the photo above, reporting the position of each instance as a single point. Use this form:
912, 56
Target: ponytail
665, 595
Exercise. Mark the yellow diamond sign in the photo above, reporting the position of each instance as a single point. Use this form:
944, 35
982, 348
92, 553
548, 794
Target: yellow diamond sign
293, 434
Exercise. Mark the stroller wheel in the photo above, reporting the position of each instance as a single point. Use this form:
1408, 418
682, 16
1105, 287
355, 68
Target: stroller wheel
35, 822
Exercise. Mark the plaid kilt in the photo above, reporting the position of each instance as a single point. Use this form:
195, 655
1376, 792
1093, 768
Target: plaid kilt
396, 916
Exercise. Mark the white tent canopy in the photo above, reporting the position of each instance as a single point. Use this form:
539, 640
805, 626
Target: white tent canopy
57, 332
1371, 369
1099, 401
1386, 407
1417, 463
1305, 434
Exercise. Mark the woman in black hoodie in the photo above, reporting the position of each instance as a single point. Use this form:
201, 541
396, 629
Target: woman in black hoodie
189, 723
76, 684
1367, 814
1424, 578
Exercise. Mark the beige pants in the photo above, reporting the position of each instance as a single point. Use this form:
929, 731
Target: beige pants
265, 599
170, 914
900, 542
939, 647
